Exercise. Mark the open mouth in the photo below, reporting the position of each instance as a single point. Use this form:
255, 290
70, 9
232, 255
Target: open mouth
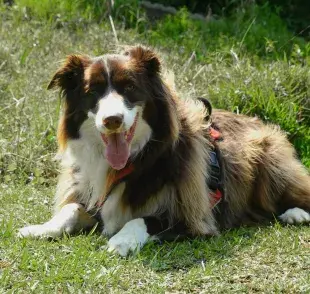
117, 149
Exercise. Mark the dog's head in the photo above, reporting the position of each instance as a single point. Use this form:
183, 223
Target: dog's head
124, 96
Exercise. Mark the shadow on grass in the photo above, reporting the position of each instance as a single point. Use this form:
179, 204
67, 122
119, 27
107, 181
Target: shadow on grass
180, 255
189, 253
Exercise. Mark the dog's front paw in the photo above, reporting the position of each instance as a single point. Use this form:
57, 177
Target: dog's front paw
34, 231
130, 238
121, 245
46, 230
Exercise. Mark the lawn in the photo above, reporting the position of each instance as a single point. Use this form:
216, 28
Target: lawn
272, 259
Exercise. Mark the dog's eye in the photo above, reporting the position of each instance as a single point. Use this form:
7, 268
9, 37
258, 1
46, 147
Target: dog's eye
92, 93
129, 88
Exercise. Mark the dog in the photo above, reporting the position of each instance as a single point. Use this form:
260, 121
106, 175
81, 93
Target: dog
139, 160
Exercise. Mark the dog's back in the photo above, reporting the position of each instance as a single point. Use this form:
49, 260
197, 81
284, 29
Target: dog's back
263, 177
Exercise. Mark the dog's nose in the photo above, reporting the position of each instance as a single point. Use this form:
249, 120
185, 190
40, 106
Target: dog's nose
113, 122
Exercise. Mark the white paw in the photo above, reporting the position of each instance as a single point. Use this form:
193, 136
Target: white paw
64, 221
40, 231
122, 246
130, 238
30, 231
295, 215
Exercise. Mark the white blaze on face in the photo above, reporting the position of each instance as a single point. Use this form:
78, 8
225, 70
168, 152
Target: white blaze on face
118, 141
113, 104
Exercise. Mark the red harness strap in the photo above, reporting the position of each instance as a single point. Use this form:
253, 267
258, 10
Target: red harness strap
216, 135
114, 177
217, 195
216, 198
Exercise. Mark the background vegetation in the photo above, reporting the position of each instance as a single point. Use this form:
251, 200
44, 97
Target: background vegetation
244, 56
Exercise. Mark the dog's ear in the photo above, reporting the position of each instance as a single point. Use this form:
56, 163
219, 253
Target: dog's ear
207, 104
145, 59
71, 73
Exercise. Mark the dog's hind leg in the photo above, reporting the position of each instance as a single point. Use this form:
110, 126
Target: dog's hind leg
71, 218
295, 200
295, 216
284, 183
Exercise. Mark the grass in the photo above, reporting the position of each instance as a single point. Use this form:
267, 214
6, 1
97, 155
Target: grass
239, 78
273, 259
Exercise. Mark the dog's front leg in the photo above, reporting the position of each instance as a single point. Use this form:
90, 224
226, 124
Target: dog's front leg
137, 232
71, 218
131, 237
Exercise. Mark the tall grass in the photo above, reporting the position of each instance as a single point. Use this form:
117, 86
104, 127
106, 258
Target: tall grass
252, 29
227, 60
60, 12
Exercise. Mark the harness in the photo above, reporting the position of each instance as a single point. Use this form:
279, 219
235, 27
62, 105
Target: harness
114, 178
214, 182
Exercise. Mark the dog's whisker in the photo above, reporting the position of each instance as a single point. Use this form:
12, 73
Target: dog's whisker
154, 140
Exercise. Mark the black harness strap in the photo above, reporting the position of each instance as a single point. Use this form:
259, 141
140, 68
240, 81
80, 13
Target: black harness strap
215, 181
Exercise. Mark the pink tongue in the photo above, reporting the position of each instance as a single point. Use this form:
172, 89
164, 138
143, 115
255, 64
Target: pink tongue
117, 151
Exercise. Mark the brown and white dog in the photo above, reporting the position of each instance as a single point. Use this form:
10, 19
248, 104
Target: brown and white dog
137, 158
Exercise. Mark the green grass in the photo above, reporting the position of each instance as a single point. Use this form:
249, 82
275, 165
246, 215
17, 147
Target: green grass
241, 79
273, 259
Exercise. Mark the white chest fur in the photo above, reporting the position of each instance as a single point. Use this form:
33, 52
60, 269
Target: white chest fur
113, 213
91, 177
87, 153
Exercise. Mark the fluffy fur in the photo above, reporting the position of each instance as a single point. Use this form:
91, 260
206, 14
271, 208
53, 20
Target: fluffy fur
118, 112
